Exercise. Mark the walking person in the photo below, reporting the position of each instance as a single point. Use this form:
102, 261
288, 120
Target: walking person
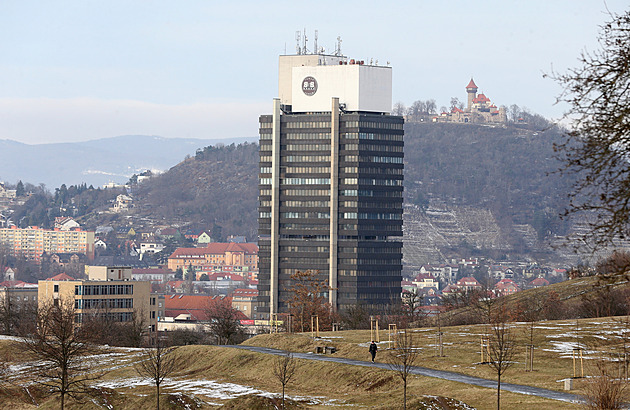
372, 350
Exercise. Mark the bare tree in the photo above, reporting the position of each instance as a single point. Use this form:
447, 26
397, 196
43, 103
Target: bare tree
501, 346
284, 369
399, 109
307, 299
605, 392
157, 363
411, 302
63, 350
401, 359
16, 317
224, 324
596, 150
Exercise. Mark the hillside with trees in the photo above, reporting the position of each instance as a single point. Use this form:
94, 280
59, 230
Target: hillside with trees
498, 184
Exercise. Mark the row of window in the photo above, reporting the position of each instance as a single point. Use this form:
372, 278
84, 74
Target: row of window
126, 303
380, 182
381, 160
381, 125
370, 193
103, 290
304, 170
301, 181
319, 204
294, 248
305, 192
306, 158
111, 316
307, 124
305, 147
372, 215
303, 215
303, 226
290, 136
304, 261
381, 148
379, 137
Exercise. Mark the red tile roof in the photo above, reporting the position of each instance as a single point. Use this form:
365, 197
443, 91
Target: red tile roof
196, 306
245, 292
471, 84
215, 248
61, 276
11, 284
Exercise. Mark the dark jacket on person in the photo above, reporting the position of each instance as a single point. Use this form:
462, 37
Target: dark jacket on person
373, 348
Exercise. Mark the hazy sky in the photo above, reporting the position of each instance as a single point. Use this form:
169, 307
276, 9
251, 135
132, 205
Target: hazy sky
80, 70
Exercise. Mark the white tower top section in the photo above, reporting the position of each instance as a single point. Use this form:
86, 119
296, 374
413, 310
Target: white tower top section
308, 82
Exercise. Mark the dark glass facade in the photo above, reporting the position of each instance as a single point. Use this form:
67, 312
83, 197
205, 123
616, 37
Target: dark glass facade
358, 165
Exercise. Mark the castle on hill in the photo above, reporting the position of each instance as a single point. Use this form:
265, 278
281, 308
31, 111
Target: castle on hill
479, 110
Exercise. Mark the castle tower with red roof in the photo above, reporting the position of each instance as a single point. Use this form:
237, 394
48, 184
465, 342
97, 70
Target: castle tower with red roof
471, 89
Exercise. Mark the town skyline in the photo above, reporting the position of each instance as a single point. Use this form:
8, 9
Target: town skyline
82, 71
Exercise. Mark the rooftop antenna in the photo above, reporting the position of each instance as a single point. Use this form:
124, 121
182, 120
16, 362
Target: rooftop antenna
305, 41
338, 49
298, 50
315, 49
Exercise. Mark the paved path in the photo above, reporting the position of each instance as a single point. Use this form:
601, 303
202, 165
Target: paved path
424, 371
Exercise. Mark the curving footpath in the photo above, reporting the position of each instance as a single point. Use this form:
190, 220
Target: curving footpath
424, 371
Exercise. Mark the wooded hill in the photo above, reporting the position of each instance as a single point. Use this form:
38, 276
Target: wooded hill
508, 171
505, 174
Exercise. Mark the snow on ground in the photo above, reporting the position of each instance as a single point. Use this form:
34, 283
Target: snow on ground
209, 389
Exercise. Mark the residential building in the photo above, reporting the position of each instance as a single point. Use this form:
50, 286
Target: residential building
150, 248
32, 242
7, 193
243, 301
215, 255
65, 223
108, 291
18, 294
331, 183
123, 203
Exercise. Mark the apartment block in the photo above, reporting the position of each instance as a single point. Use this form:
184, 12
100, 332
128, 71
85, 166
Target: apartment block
33, 241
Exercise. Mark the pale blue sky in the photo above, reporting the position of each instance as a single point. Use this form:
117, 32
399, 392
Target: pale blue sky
79, 70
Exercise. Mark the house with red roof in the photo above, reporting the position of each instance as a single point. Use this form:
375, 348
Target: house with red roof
197, 306
222, 256
243, 301
505, 287
468, 283
425, 280
539, 282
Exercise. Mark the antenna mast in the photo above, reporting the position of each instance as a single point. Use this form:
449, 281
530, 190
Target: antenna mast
315, 49
338, 48
298, 50
305, 41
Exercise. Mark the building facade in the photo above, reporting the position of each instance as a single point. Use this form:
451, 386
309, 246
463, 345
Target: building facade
331, 184
109, 292
216, 255
32, 242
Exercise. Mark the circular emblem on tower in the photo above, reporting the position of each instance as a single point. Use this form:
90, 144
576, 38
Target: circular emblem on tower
309, 86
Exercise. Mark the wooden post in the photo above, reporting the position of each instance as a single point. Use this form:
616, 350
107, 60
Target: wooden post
290, 323
485, 349
393, 329
579, 356
374, 329
315, 326
529, 360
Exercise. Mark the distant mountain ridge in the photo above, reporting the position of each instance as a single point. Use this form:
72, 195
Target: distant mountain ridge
96, 162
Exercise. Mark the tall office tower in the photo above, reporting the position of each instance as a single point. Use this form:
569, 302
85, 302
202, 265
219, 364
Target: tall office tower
331, 183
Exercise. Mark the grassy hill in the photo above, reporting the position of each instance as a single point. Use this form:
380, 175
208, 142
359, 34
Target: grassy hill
212, 376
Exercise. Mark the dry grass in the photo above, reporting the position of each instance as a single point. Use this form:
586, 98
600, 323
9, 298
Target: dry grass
324, 385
